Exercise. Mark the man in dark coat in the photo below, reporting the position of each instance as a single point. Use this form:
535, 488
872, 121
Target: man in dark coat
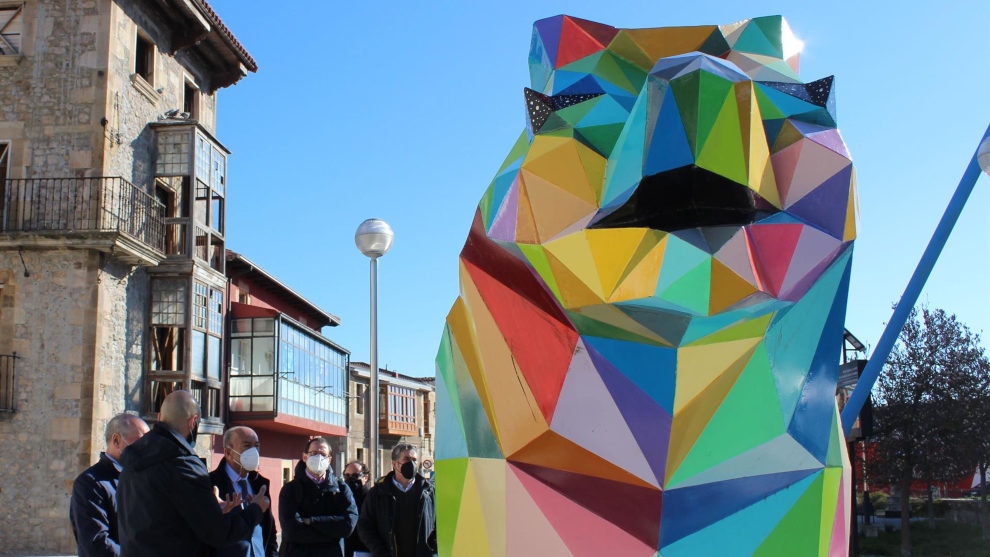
398, 518
315, 510
93, 506
167, 506
356, 478
237, 474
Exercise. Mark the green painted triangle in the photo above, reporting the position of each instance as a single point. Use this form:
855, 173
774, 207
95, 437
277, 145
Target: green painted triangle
574, 113
611, 68
833, 457
537, 257
586, 326
600, 138
450, 441
753, 40
747, 329
679, 257
714, 93
768, 110
485, 206
771, 27
450, 486
686, 89
554, 123
691, 291
478, 433
726, 436
445, 370
516, 154
798, 531
723, 150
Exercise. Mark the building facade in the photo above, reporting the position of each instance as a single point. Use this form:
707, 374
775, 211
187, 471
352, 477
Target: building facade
285, 379
112, 264
407, 414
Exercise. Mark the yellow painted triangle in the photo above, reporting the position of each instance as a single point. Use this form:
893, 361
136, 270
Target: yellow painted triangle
563, 167
852, 211
639, 280
554, 209
830, 502
661, 42
594, 170
623, 46
460, 322
691, 418
727, 288
471, 537
759, 169
574, 293
699, 366
542, 145
574, 252
612, 249
491, 494
611, 315
754, 328
513, 406
525, 225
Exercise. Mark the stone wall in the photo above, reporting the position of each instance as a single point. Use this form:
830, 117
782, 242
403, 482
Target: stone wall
48, 440
56, 88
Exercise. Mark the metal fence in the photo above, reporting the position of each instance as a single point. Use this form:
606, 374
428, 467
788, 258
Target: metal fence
79, 205
7, 382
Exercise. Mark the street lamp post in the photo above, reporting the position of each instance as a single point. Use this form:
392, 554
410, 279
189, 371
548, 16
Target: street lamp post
373, 238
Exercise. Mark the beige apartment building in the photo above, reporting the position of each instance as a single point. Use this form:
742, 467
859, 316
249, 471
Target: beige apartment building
113, 185
407, 414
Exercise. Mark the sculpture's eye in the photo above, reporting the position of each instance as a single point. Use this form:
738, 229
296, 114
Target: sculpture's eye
539, 106
687, 197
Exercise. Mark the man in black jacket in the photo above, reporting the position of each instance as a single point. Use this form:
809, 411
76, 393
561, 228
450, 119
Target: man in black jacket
398, 518
315, 510
93, 507
237, 474
166, 501
356, 478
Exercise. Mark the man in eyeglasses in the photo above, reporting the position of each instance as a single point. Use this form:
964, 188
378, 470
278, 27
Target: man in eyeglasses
316, 510
356, 478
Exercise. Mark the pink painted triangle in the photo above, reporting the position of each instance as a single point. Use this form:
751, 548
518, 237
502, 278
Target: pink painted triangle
735, 255
504, 224
833, 140
839, 545
815, 165
527, 530
784, 162
587, 415
585, 533
773, 248
814, 247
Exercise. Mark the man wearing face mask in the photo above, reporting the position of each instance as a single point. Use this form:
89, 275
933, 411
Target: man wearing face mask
237, 474
398, 518
167, 506
93, 507
316, 511
356, 477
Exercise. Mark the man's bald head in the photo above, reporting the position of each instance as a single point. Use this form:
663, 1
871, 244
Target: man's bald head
176, 410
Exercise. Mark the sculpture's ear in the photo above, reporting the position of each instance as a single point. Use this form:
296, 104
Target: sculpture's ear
809, 102
558, 41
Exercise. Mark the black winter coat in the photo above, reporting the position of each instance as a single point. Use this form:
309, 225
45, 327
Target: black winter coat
239, 548
93, 510
353, 542
166, 505
378, 518
329, 505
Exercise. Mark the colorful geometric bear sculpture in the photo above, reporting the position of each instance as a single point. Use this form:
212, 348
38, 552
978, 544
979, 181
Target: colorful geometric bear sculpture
643, 357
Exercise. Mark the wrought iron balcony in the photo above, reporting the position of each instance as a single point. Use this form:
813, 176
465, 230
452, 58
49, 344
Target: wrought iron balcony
105, 213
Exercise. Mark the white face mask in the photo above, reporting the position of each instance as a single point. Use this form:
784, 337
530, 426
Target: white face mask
318, 464
249, 458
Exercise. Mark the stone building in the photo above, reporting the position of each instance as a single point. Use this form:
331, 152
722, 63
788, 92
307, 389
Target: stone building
407, 414
112, 198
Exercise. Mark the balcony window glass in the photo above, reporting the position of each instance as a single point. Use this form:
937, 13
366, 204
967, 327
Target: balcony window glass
311, 378
213, 358
198, 353
203, 150
173, 154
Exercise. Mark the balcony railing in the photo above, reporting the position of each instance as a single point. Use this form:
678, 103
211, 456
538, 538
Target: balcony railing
81, 207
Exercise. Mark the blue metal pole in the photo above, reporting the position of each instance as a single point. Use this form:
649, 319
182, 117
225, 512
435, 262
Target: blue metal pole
911, 292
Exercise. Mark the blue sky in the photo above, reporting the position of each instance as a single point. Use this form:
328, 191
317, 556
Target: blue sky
405, 110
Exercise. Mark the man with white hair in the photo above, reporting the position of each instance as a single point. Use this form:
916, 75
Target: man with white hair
93, 506
167, 504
